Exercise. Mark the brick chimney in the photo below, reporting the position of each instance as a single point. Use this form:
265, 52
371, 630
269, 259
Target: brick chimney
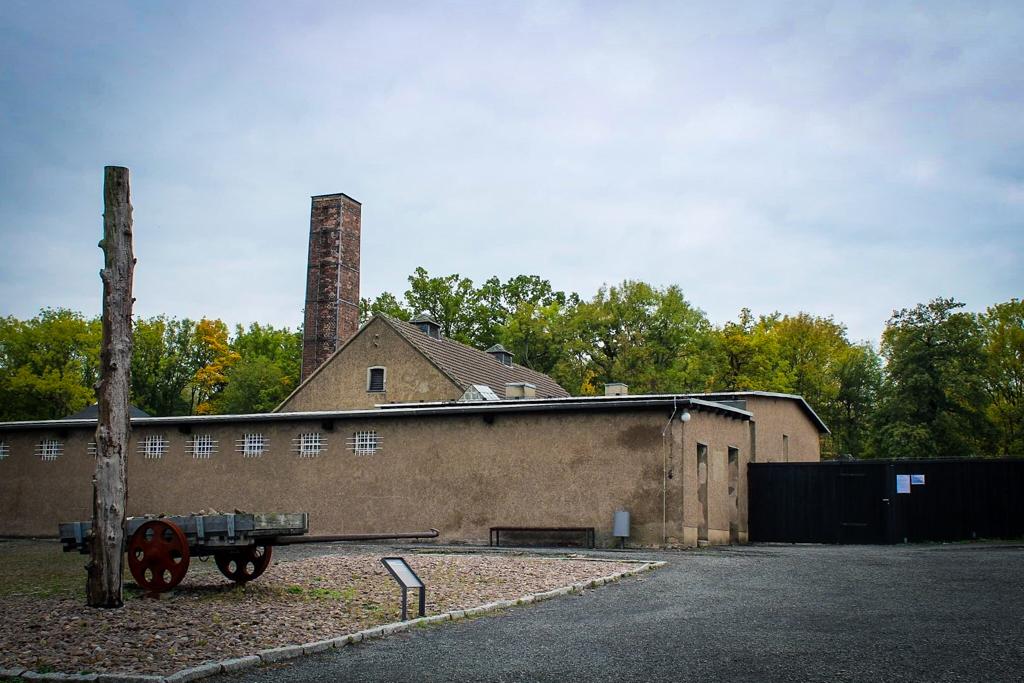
332, 278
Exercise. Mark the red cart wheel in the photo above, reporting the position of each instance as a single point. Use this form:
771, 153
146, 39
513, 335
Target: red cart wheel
158, 555
243, 564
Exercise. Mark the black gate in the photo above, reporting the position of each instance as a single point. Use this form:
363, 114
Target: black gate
886, 501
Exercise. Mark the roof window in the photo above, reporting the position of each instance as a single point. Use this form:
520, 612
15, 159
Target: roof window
501, 354
427, 324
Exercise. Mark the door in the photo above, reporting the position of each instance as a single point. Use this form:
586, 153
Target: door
863, 504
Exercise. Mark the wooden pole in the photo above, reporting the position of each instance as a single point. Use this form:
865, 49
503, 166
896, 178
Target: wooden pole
113, 429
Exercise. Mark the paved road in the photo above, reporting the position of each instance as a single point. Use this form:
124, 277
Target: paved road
754, 613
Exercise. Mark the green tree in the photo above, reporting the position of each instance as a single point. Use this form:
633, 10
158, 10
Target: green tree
748, 356
164, 361
1003, 326
852, 415
48, 364
650, 338
933, 402
267, 370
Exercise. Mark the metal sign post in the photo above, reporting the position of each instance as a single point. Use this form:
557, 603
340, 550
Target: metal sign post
402, 573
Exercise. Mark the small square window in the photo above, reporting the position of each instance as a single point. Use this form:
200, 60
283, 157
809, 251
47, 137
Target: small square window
49, 449
252, 445
202, 446
364, 443
5, 449
375, 379
153, 447
309, 445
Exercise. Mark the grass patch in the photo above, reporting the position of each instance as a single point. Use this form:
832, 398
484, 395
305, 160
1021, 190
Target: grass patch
40, 568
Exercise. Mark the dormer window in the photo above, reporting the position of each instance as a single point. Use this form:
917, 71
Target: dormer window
427, 325
501, 354
375, 378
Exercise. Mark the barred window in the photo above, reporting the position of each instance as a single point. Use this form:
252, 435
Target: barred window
251, 445
201, 446
309, 445
375, 379
91, 448
364, 443
5, 449
153, 446
49, 449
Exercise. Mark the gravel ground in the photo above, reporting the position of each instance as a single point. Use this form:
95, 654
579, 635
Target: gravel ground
311, 597
754, 613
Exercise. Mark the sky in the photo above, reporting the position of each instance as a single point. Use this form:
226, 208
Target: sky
840, 159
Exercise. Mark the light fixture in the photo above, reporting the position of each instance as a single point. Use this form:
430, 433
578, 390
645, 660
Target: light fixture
685, 416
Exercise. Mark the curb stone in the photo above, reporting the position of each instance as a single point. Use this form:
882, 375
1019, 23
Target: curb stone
319, 646
279, 654
195, 673
240, 663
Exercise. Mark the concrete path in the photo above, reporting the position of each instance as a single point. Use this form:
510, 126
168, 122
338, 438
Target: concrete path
754, 613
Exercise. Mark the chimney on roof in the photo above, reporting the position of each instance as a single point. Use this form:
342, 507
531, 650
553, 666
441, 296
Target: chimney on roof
427, 325
501, 354
616, 389
332, 278
520, 390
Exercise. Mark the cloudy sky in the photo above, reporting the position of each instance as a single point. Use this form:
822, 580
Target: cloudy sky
793, 156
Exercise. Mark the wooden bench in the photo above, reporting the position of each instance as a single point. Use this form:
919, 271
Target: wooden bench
586, 531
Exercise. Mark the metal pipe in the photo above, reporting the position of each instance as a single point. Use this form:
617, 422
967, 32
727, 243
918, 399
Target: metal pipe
298, 540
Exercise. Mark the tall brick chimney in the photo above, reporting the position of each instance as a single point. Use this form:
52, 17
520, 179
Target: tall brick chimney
332, 278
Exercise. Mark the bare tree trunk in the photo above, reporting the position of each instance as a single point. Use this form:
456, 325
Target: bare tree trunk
109, 490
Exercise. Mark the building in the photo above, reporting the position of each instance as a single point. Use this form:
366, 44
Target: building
391, 361
395, 428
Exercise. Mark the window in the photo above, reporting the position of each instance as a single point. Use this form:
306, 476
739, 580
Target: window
785, 448
202, 446
5, 449
153, 447
309, 445
375, 379
364, 443
91, 448
49, 449
251, 445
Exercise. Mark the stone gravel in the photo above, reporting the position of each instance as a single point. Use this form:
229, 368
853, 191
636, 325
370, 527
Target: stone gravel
308, 599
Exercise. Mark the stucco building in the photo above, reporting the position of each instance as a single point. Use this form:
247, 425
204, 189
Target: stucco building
395, 427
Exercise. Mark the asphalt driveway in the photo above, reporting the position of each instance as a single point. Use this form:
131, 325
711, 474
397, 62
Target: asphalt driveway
749, 613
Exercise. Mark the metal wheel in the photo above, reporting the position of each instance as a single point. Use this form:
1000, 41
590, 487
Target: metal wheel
158, 555
243, 564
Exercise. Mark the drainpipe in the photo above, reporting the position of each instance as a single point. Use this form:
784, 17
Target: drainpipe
667, 442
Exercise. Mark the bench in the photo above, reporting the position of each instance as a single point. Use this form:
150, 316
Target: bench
586, 532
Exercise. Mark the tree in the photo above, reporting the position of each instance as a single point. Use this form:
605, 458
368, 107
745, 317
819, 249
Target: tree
216, 357
1003, 327
852, 416
48, 364
164, 362
749, 358
452, 300
649, 338
933, 398
266, 372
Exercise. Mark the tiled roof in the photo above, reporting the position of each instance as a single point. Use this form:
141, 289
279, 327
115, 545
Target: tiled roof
468, 366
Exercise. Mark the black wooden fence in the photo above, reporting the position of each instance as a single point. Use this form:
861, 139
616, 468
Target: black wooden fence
886, 501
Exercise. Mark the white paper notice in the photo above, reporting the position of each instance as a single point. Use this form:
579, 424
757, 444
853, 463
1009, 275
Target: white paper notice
902, 483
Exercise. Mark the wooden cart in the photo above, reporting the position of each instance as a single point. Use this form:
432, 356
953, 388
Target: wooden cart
159, 548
